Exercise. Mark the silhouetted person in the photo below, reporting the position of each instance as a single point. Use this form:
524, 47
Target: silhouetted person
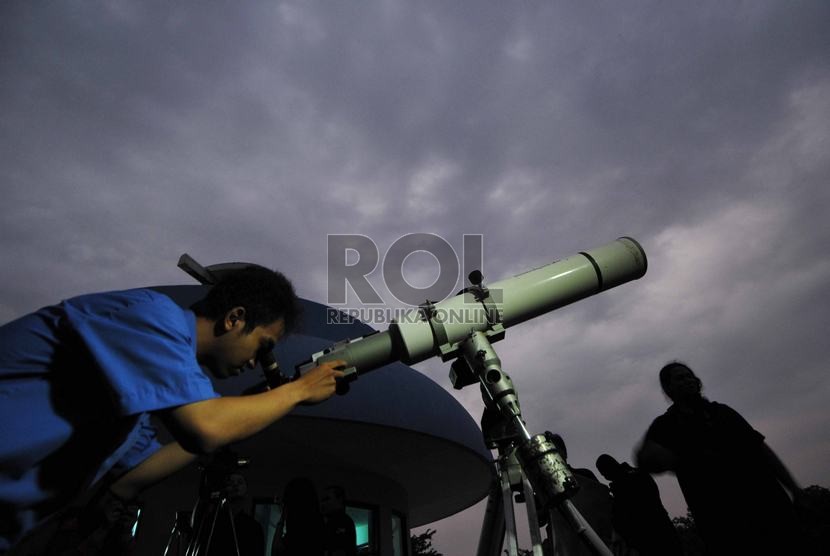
731, 479
301, 530
341, 539
250, 537
638, 514
592, 500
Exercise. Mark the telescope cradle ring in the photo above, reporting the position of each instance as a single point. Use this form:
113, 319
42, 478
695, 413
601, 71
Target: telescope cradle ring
481, 294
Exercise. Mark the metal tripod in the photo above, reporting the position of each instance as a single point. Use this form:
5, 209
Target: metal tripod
193, 532
185, 540
527, 464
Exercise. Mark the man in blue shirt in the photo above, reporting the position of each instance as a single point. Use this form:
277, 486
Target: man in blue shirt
78, 381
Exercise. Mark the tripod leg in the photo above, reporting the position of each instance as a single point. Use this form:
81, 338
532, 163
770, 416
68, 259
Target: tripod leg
492, 526
509, 515
201, 540
194, 546
223, 508
552, 539
585, 531
174, 539
202, 547
532, 518
229, 513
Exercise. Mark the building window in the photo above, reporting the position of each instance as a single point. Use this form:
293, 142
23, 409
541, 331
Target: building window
268, 513
364, 528
400, 538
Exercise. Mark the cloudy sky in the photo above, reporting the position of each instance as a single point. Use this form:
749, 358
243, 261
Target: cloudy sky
131, 133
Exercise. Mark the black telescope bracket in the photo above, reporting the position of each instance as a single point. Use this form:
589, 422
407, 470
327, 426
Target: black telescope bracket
481, 295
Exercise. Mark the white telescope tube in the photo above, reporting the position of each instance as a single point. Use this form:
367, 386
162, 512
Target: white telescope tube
412, 338
526, 295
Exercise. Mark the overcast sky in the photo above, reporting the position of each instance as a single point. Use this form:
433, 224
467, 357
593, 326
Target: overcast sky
131, 133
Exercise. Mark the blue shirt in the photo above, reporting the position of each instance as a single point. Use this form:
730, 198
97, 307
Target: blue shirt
77, 381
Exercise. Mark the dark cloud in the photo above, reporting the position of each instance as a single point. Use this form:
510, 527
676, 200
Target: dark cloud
132, 133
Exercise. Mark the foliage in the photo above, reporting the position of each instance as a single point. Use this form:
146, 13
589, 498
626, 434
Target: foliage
813, 508
690, 540
422, 544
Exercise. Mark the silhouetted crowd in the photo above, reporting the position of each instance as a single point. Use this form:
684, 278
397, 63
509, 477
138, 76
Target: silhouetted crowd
741, 497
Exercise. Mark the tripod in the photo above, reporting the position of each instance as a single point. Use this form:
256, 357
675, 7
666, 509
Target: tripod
193, 533
527, 464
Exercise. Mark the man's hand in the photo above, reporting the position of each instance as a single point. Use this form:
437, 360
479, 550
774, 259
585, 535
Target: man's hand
320, 383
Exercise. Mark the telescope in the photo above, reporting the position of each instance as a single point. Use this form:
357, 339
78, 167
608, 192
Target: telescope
439, 329
463, 327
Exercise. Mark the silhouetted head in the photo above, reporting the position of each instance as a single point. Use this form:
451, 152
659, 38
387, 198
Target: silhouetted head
333, 499
236, 486
300, 495
609, 467
304, 524
679, 382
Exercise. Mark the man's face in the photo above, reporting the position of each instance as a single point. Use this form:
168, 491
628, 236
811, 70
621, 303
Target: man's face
236, 486
331, 501
236, 350
682, 384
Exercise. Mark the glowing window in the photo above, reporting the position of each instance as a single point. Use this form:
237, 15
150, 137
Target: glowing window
268, 513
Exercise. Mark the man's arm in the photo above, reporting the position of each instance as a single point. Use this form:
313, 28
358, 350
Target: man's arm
204, 426
781, 472
166, 461
655, 458
770, 458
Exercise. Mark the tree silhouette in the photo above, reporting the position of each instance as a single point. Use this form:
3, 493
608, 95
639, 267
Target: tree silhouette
813, 508
422, 544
